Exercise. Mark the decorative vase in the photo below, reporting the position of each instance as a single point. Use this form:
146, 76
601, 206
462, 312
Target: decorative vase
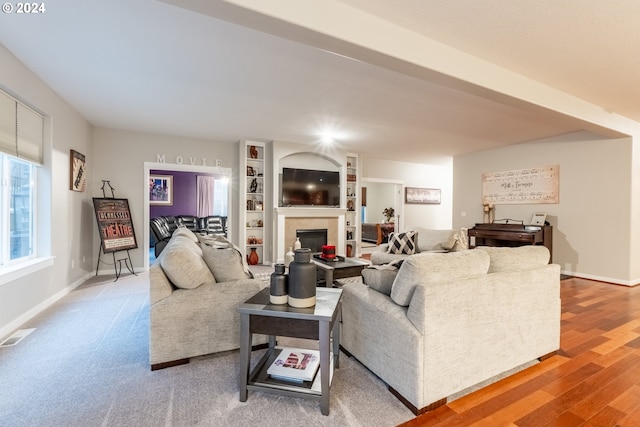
349, 250
253, 152
278, 286
302, 280
297, 244
252, 258
288, 257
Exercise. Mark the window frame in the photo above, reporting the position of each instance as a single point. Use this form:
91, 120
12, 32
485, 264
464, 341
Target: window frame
6, 191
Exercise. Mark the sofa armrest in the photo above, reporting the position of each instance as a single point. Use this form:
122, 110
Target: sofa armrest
160, 286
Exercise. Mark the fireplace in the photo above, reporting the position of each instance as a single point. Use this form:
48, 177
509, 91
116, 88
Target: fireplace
313, 238
289, 220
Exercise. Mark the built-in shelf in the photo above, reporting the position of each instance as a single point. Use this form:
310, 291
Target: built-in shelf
352, 201
254, 175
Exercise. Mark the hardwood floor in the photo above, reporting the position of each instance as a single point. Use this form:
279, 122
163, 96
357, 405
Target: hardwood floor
593, 381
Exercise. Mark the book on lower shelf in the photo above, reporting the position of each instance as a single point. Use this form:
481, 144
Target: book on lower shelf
295, 364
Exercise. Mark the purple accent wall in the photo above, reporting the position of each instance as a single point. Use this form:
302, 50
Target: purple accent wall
184, 195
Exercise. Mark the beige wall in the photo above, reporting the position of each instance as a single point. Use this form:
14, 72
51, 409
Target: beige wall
416, 175
64, 230
120, 158
592, 223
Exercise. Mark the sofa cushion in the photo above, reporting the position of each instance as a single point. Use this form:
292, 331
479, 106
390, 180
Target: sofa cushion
184, 267
380, 277
428, 240
402, 243
431, 267
226, 263
516, 259
186, 242
184, 231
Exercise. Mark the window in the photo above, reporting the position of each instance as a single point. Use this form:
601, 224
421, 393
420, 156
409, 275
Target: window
21, 149
220, 189
17, 213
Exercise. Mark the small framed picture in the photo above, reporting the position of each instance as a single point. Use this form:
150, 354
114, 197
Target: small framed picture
538, 218
161, 190
78, 171
422, 196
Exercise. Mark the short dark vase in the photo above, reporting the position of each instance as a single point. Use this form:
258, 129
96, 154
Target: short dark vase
278, 286
302, 280
253, 258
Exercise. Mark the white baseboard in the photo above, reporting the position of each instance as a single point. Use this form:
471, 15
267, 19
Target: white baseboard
602, 278
25, 317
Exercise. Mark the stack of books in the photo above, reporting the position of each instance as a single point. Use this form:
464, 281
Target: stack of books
295, 365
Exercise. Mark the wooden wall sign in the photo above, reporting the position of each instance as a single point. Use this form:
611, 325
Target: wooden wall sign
522, 186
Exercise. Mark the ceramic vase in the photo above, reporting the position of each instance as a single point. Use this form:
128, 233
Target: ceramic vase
288, 257
253, 258
278, 286
297, 244
302, 280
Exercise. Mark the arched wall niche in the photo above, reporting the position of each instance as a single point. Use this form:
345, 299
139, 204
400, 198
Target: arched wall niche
309, 160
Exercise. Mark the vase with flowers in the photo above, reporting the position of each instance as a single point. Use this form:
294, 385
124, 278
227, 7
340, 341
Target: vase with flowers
389, 213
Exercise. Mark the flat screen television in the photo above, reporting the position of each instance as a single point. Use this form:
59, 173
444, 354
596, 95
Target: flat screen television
305, 187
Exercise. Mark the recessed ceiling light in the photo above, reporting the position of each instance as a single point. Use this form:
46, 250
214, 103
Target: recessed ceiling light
328, 137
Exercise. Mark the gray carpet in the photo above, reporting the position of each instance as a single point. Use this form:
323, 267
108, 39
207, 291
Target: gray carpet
87, 364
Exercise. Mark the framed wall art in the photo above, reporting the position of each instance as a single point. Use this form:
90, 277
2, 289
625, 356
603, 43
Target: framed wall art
537, 185
161, 190
78, 168
422, 196
115, 224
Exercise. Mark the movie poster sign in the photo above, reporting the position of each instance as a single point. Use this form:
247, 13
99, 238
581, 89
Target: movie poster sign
114, 224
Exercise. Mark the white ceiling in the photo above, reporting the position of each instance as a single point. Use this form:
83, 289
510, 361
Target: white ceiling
149, 66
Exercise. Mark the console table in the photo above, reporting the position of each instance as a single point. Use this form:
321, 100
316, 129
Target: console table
512, 235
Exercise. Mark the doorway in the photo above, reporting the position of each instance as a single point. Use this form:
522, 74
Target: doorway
220, 172
380, 195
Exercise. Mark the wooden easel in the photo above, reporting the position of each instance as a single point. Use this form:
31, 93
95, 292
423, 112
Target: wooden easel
117, 262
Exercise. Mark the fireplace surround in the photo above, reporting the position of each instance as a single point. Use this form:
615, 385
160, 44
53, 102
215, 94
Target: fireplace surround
291, 219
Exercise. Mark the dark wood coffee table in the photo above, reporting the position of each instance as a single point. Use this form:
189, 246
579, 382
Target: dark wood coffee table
329, 271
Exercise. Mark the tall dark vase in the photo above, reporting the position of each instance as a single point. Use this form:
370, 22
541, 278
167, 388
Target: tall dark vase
302, 280
278, 286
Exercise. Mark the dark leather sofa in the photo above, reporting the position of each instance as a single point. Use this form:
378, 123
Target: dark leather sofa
162, 227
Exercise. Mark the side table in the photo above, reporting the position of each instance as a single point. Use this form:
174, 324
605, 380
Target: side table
321, 322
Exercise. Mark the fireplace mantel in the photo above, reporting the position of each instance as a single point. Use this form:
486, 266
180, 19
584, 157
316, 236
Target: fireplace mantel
332, 219
310, 212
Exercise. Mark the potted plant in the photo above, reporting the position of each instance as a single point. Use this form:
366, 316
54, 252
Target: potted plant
389, 213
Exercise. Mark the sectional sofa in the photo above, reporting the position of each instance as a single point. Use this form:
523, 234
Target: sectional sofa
444, 322
195, 286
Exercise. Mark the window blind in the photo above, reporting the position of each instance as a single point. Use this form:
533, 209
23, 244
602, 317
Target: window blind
21, 130
8, 142
30, 134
